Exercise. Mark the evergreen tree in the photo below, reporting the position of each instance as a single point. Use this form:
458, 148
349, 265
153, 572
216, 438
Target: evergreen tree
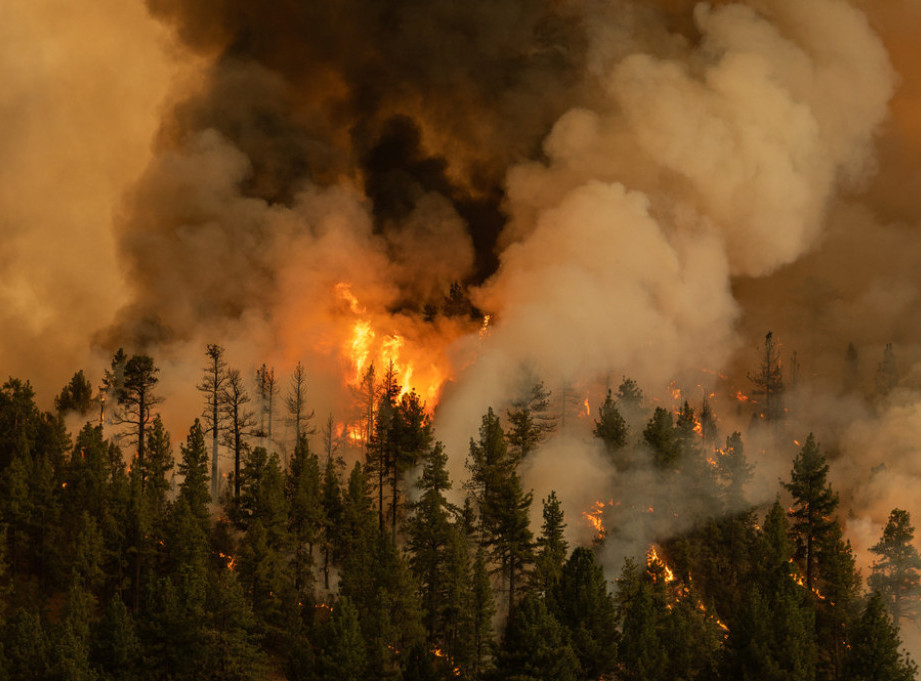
483, 609
212, 385
874, 652
768, 381
76, 396
135, 399
814, 502
193, 467
342, 657
611, 429
27, 648
332, 515
659, 434
895, 574
734, 471
302, 489
267, 387
412, 439
551, 547
535, 647
296, 402
429, 535
233, 400
115, 648
585, 608
529, 422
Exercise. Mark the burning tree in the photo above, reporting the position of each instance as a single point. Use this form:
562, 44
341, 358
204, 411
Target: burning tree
768, 381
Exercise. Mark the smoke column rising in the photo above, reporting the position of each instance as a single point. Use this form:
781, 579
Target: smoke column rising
638, 188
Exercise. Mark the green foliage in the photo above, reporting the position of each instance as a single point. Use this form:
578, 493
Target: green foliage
874, 653
611, 429
585, 608
551, 547
814, 502
895, 573
76, 396
659, 434
535, 647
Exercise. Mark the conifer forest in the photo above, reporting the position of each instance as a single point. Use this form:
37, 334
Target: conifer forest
495, 340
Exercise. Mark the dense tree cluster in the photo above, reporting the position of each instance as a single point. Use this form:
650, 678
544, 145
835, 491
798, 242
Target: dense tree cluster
121, 558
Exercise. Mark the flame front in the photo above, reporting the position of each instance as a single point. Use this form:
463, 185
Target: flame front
595, 517
415, 366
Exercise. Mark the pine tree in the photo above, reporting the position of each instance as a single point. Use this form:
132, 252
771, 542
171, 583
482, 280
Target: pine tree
332, 515
483, 609
768, 381
501, 503
135, 398
582, 604
535, 646
734, 471
115, 648
895, 574
212, 385
296, 402
302, 489
193, 467
659, 434
233, 401
429, 535
814, 502
874, 652
412, 439
529, 422
551, 547
76, 396
342, 657
611, 429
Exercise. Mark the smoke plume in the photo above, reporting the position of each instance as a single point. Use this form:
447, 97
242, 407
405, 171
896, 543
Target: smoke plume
638, 188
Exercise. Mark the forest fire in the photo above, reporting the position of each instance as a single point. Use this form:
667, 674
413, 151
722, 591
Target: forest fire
656, 563
415, 367
595, 517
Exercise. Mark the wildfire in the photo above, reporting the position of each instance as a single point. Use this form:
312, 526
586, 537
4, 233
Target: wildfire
653, 560
438, 652
366, 344
587, 409
231, 560
595, 519
798, 578
484, 330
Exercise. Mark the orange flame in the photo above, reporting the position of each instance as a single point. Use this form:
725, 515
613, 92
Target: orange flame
594, 517
413, 367
231, 560
653, 560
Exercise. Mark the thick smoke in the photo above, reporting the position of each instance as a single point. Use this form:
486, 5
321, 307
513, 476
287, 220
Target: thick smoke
627, 188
